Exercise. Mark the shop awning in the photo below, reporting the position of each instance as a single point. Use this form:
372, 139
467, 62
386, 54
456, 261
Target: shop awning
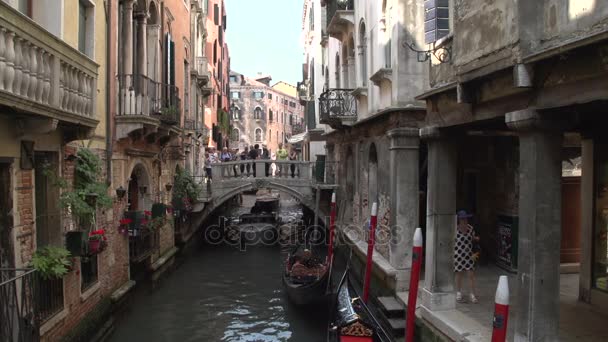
298, 138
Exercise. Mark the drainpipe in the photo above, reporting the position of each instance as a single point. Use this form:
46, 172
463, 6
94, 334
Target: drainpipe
109, 139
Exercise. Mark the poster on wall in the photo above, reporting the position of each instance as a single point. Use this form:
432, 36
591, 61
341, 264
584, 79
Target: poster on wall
507, 242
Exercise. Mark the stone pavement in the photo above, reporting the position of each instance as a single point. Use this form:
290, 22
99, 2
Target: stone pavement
473, 322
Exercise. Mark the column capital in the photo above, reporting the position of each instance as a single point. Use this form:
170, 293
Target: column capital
141, 16
530, 119
403, 132
128, 3
431, 133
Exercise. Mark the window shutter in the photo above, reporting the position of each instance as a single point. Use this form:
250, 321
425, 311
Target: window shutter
311, 120
172, 62
436, 20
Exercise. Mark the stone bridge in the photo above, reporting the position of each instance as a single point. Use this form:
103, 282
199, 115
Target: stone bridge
232, 178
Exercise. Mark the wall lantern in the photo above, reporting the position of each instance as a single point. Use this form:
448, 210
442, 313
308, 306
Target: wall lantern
168, 186
121, 192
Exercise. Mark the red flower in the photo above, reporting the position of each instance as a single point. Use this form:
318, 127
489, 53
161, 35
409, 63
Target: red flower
126, 221
147, 213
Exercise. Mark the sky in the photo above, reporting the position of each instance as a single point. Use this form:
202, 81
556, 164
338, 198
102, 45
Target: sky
264, 36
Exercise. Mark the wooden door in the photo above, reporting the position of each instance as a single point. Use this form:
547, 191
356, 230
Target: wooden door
571, 220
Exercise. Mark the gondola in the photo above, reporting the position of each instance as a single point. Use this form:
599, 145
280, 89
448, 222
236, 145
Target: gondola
352, 320
305, 277
267, 203
254, 229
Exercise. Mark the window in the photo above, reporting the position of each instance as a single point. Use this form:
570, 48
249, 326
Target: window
292, 104
88, 272
438, 26
270, 135
86, 26
186, 89
290, 119
236, 134
270, 116
270, 96
215, 51
236, 113
216, 14
235, 95
258, 95
232, 79
25, 7
257, 113
311, 18
258, 135
363, 53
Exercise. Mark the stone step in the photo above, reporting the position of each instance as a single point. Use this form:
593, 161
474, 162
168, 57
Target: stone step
391, 306
397, 325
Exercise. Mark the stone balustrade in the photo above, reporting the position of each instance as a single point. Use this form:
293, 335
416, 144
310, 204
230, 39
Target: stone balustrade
41, 74
277, 169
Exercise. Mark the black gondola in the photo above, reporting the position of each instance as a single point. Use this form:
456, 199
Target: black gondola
266, 204
352, 320
305, 278
254, 229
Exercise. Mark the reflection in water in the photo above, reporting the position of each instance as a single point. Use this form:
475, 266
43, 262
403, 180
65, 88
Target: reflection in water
222, 294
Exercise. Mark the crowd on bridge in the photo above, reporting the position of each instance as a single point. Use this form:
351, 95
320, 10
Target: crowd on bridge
254, 152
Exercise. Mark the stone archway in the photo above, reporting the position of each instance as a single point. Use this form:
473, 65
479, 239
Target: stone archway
138, 189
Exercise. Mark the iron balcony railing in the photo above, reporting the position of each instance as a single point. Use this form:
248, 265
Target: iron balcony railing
140, 95
18, 318
338, 5
142, 240
297, 128
336, 105
27, 300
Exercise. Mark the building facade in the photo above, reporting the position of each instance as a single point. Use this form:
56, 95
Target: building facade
53, 93
263, 114
120, 90
218, 58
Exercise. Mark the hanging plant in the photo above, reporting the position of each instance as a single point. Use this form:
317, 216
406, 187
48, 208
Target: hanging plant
185, 190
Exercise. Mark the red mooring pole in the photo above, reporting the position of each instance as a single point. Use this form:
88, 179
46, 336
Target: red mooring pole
410, 325
370, 250
501, 310
332, 226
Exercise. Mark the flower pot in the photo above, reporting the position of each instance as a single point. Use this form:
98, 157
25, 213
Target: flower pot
94, 246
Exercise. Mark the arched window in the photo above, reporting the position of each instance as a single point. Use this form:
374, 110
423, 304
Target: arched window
363, 53
235, 113
236, 134
257, 113
258, 135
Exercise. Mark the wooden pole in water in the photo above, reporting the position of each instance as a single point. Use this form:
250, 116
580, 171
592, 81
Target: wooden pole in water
370, 251
332, 226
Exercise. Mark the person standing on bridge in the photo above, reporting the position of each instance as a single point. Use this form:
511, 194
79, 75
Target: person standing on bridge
282, 154
253, 155
293, 156
244, 156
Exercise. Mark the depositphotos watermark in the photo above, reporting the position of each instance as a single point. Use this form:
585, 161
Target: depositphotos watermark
243, 236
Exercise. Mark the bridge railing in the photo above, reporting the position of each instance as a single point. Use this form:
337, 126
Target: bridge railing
273, 169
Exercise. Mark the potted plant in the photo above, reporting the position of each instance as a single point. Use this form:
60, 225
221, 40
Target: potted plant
97, 242
168, 115
52, 262
124, 226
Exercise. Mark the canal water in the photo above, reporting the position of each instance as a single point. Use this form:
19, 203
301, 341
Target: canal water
220, 293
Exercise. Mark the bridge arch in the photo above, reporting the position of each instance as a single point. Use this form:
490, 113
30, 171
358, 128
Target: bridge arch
216, 202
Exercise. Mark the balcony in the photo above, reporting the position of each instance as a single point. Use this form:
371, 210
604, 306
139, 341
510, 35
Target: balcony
338, 108
340, 17
142, 240
202, 75
145, 104
43, 79
297, 128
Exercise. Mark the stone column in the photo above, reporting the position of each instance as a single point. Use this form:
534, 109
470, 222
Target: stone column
438, 291
352, 78
540, 168
127, 37
142, 33
404, 187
